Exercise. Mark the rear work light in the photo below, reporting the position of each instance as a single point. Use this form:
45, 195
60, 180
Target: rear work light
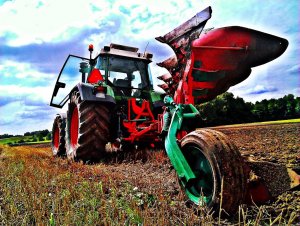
100, 91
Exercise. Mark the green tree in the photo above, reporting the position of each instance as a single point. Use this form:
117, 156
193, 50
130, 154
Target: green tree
21, 141
226, 109
260, 110
40, 137
48, 137
290, 106
297, 107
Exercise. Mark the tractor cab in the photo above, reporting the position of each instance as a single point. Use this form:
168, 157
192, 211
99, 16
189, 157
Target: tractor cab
125, 70
122, 71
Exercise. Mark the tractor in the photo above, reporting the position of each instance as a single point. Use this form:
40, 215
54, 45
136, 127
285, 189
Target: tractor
111, 100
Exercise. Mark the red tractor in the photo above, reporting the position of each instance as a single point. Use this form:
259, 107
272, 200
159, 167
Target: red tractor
114, 102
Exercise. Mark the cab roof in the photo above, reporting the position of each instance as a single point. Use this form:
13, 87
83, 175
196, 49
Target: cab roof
126, 51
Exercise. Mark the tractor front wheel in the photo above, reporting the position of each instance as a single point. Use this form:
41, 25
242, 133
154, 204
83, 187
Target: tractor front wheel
87, 130
217, 163
58, 135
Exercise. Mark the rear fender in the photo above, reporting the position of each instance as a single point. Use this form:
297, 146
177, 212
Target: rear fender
86, 93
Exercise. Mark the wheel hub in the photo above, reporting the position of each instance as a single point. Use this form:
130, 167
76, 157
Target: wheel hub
202, 189
56, 137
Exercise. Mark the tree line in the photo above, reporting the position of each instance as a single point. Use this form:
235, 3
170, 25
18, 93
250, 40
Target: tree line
225, 109
39, 135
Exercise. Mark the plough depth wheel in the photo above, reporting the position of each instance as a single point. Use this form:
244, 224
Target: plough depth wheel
218, 166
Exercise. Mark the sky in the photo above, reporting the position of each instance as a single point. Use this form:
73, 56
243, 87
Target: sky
36, 36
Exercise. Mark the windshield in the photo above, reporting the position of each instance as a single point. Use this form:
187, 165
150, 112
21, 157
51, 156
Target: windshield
126, 72
67, 79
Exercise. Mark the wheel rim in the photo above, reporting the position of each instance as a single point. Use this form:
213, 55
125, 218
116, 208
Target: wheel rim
74, 127
201, 192
56, 137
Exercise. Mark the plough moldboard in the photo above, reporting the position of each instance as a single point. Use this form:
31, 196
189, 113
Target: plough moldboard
267, 180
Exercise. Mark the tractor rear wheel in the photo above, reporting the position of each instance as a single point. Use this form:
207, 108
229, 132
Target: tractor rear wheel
219, 166
58, 135
87, 130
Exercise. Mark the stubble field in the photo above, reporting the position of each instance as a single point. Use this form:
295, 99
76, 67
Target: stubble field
140, 188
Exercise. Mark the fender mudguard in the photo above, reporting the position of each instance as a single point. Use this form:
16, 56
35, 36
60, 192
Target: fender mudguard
86, 93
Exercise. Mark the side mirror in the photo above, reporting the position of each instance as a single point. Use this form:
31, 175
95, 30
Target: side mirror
57, 86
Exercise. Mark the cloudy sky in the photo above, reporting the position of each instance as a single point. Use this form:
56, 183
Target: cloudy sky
36, 36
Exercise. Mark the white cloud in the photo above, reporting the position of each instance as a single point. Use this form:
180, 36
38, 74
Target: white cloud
28, 109
32, 23
21, 118
42, 94
28, 21
294, 69
21, 70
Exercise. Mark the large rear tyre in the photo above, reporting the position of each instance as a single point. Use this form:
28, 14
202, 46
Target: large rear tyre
219, 166
87, 130
58, 135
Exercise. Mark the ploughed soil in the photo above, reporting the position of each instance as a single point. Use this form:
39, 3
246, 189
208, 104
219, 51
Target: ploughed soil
275, 143
148, 178
278, 143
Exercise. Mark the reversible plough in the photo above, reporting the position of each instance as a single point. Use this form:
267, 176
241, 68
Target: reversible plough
115, 103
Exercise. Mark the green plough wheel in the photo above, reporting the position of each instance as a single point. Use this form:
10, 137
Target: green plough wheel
215, 161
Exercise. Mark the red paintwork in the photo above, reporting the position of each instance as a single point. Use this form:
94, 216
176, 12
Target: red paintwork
160, 120
139, 111
181, 134
100, 89
146, 130
257, 193
95, 76
222, 58
183, 93
56, 137
74, 127
223, 49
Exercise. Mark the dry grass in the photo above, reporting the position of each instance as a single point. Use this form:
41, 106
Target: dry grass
136, 189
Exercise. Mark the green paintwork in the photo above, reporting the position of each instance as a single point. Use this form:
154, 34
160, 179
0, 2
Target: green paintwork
202, 190
194, 171
203, 76
178, 160
109, 91
155, 96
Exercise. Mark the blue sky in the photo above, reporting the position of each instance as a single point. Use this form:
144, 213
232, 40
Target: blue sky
37, 36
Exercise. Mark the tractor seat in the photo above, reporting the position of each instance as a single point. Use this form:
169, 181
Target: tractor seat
138, 92
122, 83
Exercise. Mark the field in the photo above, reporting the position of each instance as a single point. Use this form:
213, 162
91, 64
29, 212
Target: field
14, 139
19, 140
136, 189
